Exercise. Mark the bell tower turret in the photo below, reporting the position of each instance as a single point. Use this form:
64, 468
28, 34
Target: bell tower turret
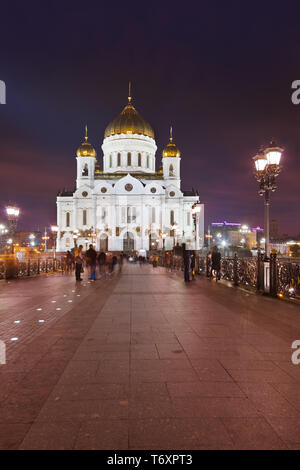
86, 161
171, 162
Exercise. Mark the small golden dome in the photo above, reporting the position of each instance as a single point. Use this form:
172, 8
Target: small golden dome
129, 121
86, 149
171, 150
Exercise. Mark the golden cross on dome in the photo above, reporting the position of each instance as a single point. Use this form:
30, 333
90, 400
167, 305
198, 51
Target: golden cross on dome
86, 134
171, 134
129, 93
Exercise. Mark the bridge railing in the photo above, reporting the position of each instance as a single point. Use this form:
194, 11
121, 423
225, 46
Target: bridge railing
288, 277
283, 277
11, 267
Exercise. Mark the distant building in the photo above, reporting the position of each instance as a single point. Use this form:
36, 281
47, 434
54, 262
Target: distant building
28, 238
280, 247
273, 229
220, 231
233, 234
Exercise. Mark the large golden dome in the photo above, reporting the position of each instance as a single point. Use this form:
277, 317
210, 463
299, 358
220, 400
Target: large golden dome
171, 150
86, 149
129, 121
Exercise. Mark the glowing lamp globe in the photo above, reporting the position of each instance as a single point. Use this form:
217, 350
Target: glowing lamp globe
260, 162
273, 154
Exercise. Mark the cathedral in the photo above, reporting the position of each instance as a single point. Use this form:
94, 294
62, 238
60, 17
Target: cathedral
129, 205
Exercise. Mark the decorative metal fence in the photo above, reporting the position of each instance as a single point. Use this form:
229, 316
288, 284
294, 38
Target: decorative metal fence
288, 277
284, 273
237, 270
14, 268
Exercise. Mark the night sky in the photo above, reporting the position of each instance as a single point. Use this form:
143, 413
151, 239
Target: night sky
219, 72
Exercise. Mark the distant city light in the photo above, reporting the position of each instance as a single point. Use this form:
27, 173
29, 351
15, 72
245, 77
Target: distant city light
12, 211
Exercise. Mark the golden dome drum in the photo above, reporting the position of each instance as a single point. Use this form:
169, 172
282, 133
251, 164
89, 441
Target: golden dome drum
129, 121
171, 150
86, 149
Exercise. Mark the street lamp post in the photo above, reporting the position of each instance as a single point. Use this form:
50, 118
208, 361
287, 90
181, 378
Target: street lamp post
174, 227
12, 215
75, 236
54, 229
45, 238
164, 236
195, 212
267, 168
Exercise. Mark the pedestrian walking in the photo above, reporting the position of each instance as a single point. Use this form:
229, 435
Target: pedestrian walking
78, 263
187, 263
91, 258
216, 263
101, 258
121, 261
193, 265
114, 261
69, 262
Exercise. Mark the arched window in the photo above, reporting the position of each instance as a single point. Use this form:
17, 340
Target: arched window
147, 161
128, 159
67, 242
110, 161
119, 159
84, 217
171, 170
172, 217
85, 170
133, 214
104, 242
139, 159
68, 219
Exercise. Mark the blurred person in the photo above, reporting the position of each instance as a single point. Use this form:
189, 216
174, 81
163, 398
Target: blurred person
91, 258
102, 262
187, 263
216, 263
69, 262
193, 265
78, 263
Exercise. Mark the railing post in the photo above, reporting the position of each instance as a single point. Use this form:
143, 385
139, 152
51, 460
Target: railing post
260, 272
46, 266
28, 267
235, 271
273, 275
38, 267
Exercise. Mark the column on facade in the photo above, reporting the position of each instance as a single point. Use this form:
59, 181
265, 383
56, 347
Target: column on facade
59, 226
142, 230
75, 215
116, 224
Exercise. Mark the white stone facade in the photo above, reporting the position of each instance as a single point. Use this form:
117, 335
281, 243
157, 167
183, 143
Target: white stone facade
129, 206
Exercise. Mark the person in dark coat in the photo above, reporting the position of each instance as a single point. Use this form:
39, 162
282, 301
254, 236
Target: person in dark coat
91, 257
193, 265
187, 263
78, 263
102, 262
216, 262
